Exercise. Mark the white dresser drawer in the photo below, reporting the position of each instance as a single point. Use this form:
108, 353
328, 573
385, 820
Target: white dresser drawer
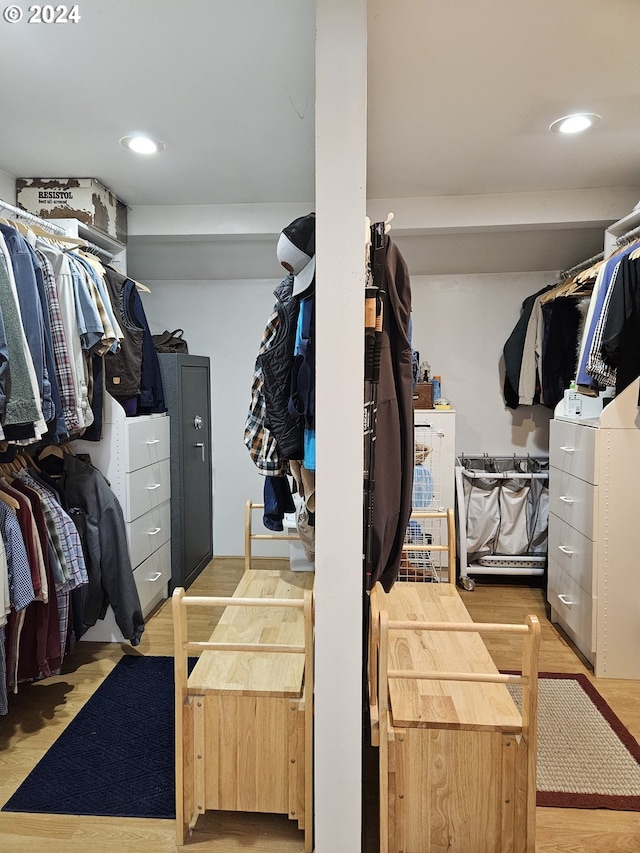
572, 552
147, 489
572, 604
147, 441
572, 449
152, 577
574, 501
148, 532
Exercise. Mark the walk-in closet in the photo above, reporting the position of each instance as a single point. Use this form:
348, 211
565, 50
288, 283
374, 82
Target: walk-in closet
319, 363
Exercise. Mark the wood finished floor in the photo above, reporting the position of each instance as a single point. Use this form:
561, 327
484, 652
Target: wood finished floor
40, 712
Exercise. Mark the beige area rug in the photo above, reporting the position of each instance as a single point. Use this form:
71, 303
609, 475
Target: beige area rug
587, 759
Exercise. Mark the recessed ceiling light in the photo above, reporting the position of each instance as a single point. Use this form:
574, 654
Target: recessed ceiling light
142, 144
574, 123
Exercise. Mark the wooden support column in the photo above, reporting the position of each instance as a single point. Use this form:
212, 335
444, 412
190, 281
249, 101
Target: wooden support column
341, 65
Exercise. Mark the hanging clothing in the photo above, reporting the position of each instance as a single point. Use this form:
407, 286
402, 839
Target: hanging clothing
151, 399
276, 362
394, 459
302, 402
60, 570
57, 425
60, 350
258, 438
66, 300
513, 351
606, 275
123, 370
30, 312
20, 586
22, 405
563, 319
621, 334
278, 501
108, 564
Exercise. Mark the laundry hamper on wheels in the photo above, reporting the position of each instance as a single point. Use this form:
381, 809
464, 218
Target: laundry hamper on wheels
503, 515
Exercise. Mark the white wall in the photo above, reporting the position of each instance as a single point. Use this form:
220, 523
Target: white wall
224, 320
460, 325
7, 187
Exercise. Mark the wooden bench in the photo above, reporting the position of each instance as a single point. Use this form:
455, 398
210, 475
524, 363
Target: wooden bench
244, 716
457, 759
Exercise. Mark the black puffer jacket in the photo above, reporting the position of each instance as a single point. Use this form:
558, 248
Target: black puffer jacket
276, 363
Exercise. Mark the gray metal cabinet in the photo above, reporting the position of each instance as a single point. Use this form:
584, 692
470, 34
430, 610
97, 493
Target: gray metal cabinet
187, 393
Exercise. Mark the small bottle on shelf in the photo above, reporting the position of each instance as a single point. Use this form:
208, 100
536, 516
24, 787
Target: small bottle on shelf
437, 390
573, 402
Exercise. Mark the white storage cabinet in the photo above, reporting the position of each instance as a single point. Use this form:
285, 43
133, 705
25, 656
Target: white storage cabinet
133, 455
594, 531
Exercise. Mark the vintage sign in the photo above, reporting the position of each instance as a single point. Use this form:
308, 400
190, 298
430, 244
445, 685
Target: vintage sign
85, 199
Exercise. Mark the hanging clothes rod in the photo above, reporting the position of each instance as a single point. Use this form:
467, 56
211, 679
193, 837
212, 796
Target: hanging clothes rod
104, 254
31, 217
54, 230
629, 237
581, 266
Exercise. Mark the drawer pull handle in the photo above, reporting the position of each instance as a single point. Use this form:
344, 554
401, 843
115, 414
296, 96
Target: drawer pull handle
565, 600
568, 449
155, 486
155, 577
565, 550
566, 500
158, 529
153, 441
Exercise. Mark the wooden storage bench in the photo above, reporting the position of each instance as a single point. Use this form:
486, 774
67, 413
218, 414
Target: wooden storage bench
244, 715
457, 759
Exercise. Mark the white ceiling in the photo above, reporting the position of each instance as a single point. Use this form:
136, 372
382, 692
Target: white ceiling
227, 85
461, 94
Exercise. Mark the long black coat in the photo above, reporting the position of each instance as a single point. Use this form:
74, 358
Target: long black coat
394, 459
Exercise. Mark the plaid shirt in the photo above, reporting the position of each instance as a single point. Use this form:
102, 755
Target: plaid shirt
263, 448
60, 351
64, 536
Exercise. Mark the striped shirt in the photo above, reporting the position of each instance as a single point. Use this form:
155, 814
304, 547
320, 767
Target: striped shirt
64, 373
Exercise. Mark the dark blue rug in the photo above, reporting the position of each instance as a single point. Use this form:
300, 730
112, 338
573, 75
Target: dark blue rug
116, 757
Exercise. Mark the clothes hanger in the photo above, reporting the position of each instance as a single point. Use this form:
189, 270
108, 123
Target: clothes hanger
57, 238
21, 228
635, 253
593, 271
22, 461
556, 290
51, 450
9, 500
142, 287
